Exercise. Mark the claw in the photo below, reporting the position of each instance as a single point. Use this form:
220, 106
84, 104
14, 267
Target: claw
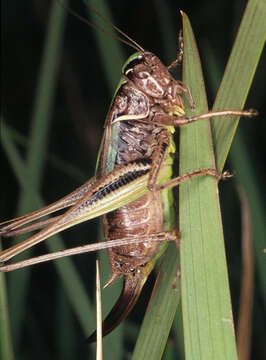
226, 175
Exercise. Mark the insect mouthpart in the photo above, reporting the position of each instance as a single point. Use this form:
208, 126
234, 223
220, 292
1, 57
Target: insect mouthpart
174, 104
175, 110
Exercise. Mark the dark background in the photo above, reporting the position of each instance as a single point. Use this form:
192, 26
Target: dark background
80, 105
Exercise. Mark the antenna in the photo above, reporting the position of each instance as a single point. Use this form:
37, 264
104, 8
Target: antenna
114, 27
133, 44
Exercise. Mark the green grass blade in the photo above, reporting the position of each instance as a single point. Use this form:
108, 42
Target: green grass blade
237, 78
160, 311
207, 316
239, 154
45, 93
110, 48
238, 75
179, 333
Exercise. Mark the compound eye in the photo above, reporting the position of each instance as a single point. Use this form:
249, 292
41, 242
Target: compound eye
132, 64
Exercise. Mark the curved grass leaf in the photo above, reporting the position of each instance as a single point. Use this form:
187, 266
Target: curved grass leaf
206, 307
238, 76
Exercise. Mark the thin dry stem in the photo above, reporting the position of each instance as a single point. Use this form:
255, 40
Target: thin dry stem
246, 297
99, 349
